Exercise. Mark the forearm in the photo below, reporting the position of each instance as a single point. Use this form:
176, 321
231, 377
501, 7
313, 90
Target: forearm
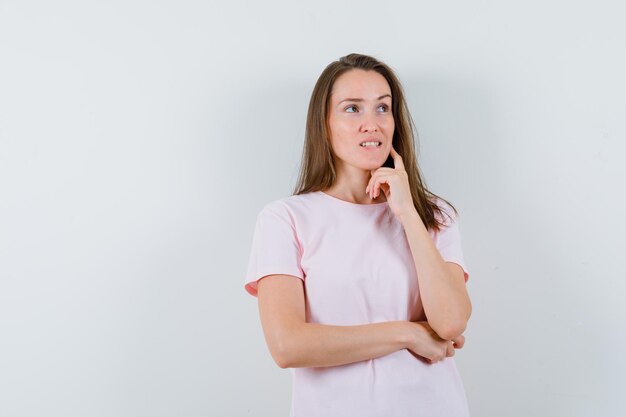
319, 345
444, 298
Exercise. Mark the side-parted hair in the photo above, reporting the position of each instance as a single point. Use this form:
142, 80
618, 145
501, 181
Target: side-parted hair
317, 168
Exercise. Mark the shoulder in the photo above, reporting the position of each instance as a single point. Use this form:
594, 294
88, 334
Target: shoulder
288, 207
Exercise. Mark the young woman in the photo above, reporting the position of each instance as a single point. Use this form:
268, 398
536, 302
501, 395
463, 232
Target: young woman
360, 276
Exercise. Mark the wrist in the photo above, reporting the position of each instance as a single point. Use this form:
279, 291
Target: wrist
409, 215
406, 334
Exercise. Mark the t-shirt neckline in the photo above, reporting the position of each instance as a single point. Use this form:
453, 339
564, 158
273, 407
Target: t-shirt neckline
348, 203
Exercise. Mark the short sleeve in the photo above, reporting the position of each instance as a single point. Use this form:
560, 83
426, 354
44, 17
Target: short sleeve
275, 247
448, 241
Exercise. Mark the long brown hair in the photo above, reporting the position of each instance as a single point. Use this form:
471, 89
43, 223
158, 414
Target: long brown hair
317, 169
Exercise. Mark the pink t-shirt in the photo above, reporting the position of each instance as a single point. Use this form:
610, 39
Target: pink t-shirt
357, 268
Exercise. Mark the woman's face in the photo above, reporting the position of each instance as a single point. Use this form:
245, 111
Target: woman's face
360, 111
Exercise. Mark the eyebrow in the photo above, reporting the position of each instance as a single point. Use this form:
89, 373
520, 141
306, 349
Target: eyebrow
360, 99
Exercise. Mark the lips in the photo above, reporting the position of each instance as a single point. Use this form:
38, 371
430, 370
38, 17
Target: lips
371, 140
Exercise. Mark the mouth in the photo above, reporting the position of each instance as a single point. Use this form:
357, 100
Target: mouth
371, 144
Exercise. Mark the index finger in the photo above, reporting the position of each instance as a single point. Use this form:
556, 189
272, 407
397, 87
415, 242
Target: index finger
397, 159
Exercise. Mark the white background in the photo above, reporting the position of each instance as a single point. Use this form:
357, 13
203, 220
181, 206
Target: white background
139, 139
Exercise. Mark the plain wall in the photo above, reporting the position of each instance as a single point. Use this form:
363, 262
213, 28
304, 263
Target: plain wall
139, 139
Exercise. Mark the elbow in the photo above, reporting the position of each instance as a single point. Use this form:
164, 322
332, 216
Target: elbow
451, 331
283, 352
280, 354
285, 347
283, 361
452, 328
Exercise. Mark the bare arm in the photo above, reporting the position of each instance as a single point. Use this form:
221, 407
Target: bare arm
293, 343
442, 287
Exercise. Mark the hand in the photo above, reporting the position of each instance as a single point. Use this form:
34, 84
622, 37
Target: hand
428, 346
394, 182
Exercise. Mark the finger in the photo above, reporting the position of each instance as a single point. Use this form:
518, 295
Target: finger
444, 352
421, 358
385, 188
459, 341
397, 159
450, 350
382, 169
379, 181
370, 183
373, 173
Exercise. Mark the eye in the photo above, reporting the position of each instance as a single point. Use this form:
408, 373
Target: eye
349, 107
385, 107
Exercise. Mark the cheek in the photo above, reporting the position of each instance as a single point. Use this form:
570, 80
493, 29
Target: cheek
344, 125
342, 133
390, 127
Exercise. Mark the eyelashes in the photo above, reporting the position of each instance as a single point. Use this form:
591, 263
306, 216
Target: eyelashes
354, 105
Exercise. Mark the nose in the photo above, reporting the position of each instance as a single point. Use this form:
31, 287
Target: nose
369, 122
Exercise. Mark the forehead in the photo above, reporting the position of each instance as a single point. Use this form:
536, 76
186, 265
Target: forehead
358, 83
